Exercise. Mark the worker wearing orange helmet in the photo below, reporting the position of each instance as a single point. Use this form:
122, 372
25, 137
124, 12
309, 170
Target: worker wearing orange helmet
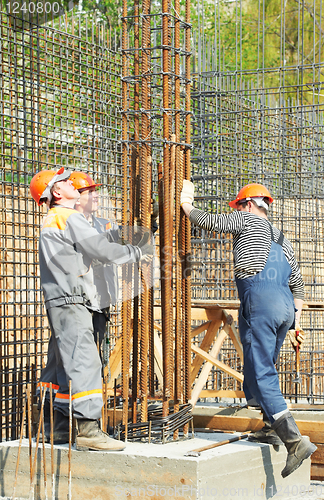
105, 276
271, 292
67, 247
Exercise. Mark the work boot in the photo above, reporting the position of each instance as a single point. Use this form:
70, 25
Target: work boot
299, 447
266, 435
61, 426
47, 421
91, 437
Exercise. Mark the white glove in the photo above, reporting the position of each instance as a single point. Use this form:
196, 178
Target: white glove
187, 193
297, 336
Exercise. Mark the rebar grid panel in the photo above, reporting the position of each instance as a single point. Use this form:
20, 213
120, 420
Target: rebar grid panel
264, 143
58, 83
258, 117
253, 120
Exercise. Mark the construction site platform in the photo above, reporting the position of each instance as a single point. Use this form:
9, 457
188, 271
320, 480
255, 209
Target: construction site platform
224, 417
240, 469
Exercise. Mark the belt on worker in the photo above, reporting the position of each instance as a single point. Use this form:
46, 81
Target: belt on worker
62, 301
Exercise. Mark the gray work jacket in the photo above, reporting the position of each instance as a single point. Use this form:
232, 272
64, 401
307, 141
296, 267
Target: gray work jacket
67, 246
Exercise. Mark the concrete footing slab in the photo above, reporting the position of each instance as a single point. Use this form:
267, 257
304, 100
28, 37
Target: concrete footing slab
239, 470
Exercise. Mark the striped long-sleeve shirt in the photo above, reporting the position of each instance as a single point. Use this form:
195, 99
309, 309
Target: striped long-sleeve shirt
251, 243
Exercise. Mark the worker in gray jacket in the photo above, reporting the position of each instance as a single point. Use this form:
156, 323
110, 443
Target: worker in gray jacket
105, 275
67, 247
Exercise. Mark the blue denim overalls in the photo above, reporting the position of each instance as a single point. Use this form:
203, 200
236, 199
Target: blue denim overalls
267, 312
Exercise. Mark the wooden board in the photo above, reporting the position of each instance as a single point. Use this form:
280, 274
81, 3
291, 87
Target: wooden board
313, 429
317, 473
318, 456
228, 423
221, 393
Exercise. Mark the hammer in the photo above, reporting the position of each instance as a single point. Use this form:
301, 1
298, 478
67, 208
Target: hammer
298, 379
197, 452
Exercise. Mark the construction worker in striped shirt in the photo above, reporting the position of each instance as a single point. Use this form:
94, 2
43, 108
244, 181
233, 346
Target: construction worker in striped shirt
67, 247
271, 291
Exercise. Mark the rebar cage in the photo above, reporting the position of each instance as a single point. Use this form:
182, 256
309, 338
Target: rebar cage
253, 120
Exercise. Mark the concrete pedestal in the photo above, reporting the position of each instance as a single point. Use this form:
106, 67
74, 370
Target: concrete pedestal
239, 470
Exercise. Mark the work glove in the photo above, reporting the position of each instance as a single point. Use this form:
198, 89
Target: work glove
296, 336
187, 193
146, 248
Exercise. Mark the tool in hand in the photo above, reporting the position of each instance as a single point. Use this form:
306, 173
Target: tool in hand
298, 379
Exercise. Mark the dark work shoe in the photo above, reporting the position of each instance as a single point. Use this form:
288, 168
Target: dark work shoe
266, 435
299, 447
61, 428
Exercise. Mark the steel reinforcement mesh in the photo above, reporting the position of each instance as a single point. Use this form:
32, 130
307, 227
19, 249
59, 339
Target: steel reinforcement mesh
59, 106
243, 133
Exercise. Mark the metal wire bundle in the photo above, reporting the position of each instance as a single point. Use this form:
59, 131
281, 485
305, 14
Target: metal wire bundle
158, 428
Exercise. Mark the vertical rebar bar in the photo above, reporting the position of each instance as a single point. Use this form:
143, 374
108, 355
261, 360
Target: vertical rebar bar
52, 439
70, 442
145, 206
135, 194
125, 309
187, 284
19, 447
166, 300
178, 187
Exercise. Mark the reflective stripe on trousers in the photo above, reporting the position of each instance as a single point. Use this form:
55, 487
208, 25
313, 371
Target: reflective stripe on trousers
267, 312
73, 355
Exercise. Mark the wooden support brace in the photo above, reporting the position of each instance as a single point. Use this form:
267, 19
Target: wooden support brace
234, 334
219, 364
199, 329
205, 346
203, 376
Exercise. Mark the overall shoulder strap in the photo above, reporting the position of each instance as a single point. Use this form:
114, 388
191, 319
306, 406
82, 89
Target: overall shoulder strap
281, 236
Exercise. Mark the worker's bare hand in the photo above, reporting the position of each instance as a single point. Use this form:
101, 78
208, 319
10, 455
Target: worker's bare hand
296, 336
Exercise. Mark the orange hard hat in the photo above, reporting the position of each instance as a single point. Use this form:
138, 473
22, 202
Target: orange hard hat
82, 181
42, 182
251, 191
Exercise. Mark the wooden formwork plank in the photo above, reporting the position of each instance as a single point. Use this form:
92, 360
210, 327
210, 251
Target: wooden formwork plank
197, 314
312, 428
317, 473
318, 456
221, 393
228, 423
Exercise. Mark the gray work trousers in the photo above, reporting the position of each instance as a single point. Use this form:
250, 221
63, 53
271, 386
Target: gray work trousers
73, 355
